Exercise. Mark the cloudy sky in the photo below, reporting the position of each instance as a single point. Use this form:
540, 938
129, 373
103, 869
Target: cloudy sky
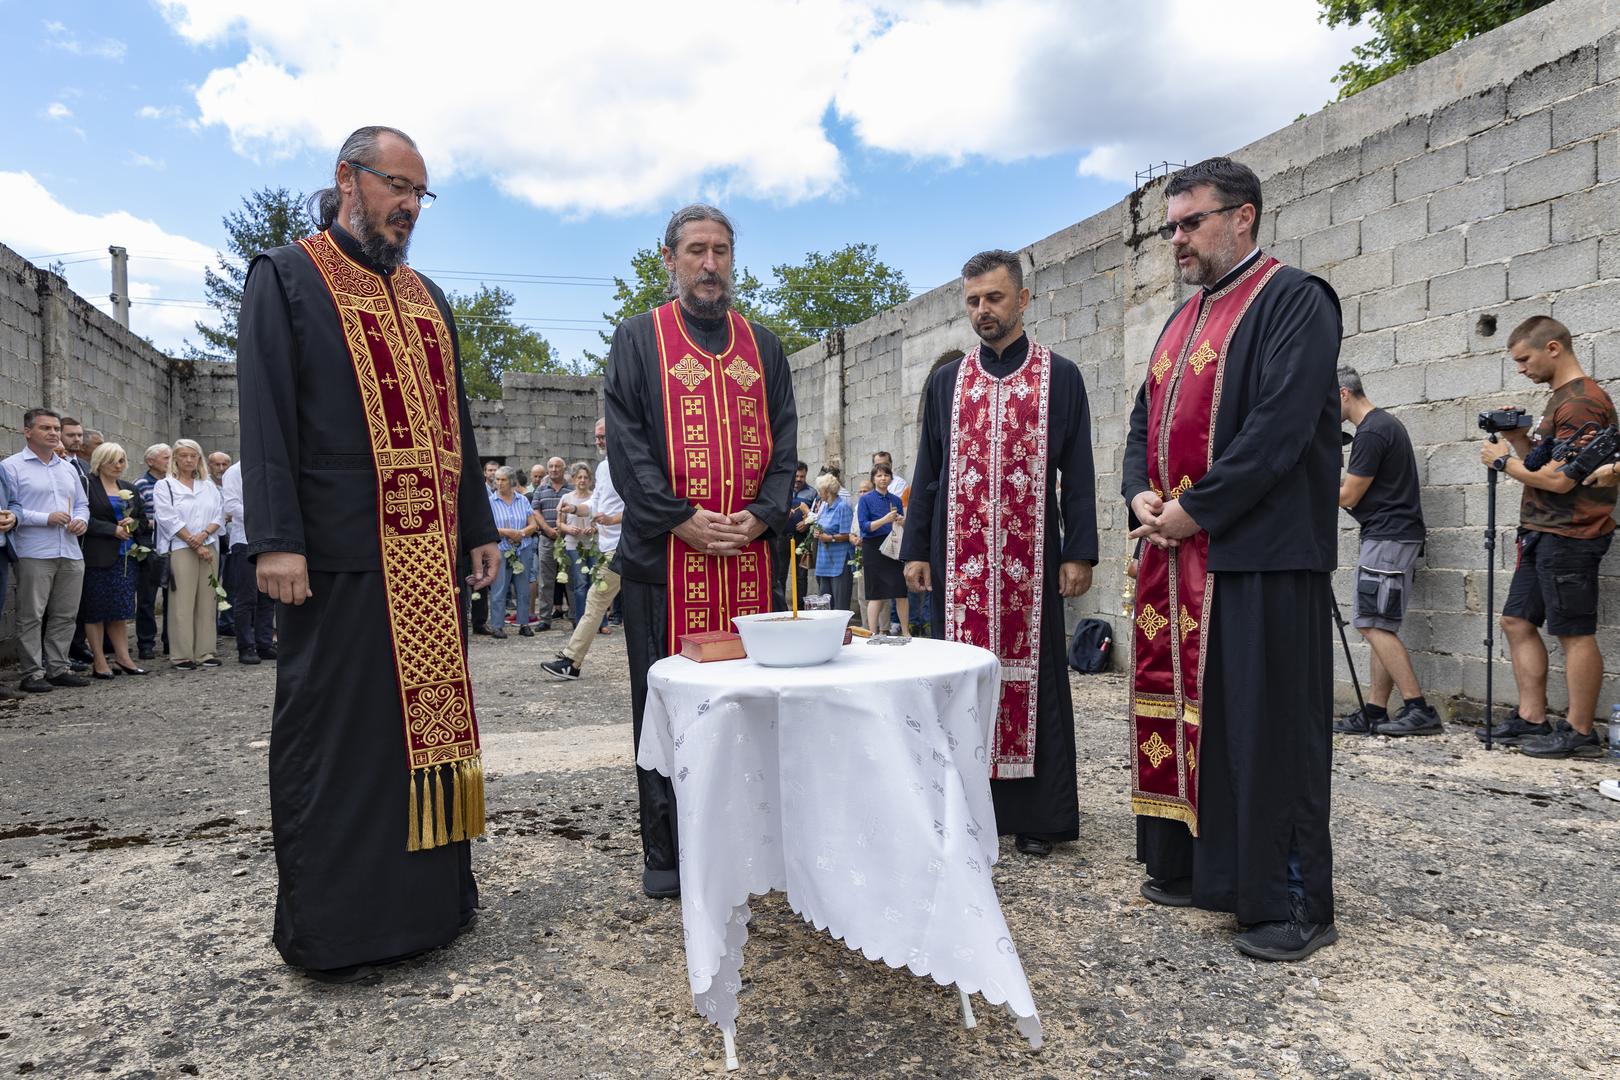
560, 136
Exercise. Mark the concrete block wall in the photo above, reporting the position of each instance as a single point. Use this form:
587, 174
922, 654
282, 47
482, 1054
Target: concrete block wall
1445, 206
538, 417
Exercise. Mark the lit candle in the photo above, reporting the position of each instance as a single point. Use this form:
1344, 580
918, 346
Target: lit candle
793, 577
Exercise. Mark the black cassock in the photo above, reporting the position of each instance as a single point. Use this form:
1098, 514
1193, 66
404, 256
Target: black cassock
1047, 804
639, 463
1269, 503
349, 892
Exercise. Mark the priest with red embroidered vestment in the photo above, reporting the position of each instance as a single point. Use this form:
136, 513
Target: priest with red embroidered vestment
1002, 527
363, 491
1231, 471
703, 434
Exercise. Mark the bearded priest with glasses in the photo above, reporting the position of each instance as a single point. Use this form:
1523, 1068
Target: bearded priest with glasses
1231, 471
704, 431
362, 490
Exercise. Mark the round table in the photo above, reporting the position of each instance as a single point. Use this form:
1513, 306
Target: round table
861, 789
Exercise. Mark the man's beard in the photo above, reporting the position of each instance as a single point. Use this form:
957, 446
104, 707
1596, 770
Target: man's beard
1209, 268
994, 330
378, 248
704, 309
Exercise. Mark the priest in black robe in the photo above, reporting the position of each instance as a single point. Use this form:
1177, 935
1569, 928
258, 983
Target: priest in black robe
1040, 807
698, 255
1267, 503
350, 894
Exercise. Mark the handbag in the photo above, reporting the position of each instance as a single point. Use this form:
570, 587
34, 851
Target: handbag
891, 543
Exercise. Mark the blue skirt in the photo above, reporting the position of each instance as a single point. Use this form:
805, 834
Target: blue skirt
109, 591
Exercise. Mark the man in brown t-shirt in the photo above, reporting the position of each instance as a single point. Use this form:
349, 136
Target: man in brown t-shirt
1564, 530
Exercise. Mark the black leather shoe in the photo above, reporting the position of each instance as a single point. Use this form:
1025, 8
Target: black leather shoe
543, 624
352, 973
499, 633
129, 670
267, 652
36, 685
78, 667
661, 884
1513, 729
108, 674
8, 694
484, 630
1171, 892
1292, 940
524, 631
146, 653
249, 657
1033, 845
68, 678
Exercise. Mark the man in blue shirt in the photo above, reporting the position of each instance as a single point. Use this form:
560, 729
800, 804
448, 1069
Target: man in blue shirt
149, 571
52, 511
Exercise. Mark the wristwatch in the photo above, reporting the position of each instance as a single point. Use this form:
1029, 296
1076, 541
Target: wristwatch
1500, 464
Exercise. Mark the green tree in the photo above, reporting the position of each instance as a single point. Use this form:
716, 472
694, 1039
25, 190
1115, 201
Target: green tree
830, 292
648, 286
492, 344
1408, 32
270, 217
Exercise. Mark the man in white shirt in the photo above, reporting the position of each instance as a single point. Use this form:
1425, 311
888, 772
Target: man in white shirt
607, 510
253, 612
53, 511
224, 621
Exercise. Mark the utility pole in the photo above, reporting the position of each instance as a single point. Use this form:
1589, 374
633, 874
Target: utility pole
120, 285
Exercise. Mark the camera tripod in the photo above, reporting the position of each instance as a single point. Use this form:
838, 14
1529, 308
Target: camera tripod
1349, 662
1490, 598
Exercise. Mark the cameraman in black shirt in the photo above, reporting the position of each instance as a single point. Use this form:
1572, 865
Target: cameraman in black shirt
1380, 490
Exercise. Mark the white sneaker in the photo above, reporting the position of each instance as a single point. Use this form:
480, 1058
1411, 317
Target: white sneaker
1609, 789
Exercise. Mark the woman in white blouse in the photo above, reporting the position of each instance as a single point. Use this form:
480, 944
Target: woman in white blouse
189, 514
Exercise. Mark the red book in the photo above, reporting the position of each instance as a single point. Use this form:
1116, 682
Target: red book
712, 645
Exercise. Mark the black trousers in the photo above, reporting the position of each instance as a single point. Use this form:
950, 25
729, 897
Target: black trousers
1266, 755
253, 611
148, 580
646, 639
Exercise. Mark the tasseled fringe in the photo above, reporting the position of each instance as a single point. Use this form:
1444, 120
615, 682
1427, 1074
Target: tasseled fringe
413, 840
425, 826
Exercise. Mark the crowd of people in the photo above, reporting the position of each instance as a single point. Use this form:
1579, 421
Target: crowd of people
93, 550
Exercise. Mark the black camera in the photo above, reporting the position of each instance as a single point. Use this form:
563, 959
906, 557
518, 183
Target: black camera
1499, 420
1589, 448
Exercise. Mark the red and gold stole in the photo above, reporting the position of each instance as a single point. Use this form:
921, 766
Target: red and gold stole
995, 537
1174, 592
719, 443
404, 363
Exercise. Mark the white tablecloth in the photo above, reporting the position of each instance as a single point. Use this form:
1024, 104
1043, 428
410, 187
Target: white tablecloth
861, 789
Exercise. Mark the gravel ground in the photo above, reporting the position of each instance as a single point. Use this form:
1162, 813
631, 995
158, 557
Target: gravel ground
1477, 895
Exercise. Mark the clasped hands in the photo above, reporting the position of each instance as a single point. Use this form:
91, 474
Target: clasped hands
61, 519
1163, 524
719, 534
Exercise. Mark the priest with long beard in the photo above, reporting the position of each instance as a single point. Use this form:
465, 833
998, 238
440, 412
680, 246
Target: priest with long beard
1001, 543
700, 406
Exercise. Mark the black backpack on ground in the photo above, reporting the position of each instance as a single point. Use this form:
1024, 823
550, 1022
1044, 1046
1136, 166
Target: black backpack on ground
1092, 646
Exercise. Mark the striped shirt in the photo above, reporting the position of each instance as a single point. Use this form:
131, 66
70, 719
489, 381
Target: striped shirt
835, 518
511, 515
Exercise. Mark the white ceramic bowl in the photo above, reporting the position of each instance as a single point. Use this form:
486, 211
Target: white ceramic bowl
777, 639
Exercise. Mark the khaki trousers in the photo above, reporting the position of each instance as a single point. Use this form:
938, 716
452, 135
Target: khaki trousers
596, 609
47, 597
191, 605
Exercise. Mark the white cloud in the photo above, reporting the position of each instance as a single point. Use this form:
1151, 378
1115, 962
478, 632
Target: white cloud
57, 36
143, 161
163, 265
58, 111
1118, 85
158, 112
581, 109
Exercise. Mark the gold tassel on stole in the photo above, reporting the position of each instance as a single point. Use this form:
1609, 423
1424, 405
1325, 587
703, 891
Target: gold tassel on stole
438, 808
457, 786
413, 842
427, 818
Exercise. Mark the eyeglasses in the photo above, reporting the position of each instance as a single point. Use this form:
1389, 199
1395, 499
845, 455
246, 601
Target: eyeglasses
1190, 223
399, 185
